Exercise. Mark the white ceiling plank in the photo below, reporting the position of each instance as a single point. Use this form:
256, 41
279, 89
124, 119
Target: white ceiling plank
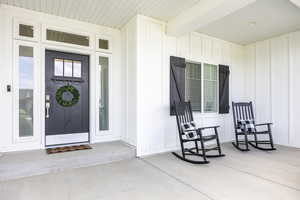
112, 13
205, 12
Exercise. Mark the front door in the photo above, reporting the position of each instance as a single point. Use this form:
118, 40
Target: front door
67, 98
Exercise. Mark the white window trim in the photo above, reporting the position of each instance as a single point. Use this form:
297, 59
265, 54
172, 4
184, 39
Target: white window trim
36, 88
202, 112
98, 88
36, 30
66, 30
104, 37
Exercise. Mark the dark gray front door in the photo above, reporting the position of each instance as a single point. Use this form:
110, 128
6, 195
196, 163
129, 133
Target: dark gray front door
67, 120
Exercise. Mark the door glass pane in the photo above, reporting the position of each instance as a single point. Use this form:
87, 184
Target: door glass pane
25, 30
26, 63
58, 67
104, 94
103, 44
77, 69
68, 68
70, 38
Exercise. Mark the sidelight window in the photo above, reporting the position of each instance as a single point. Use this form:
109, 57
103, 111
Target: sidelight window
104, 94
26, 90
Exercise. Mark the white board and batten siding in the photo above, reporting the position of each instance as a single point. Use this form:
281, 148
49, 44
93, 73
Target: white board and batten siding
156, 130
276, 85
8, 15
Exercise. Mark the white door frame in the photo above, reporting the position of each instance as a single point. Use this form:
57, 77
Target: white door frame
92, 78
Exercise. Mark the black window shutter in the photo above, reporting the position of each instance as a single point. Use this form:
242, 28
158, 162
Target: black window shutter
224, 89
177, 81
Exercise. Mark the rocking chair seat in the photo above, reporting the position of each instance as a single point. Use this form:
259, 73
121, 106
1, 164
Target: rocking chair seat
204, 138
209, 137
252, 133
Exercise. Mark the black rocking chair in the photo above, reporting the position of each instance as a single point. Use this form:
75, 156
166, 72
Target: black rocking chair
244, 124
184, 116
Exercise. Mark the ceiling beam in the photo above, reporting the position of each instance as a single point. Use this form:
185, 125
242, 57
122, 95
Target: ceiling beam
296, 2
203, 13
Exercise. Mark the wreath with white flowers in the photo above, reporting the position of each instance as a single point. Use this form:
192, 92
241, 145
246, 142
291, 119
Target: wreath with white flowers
67, 88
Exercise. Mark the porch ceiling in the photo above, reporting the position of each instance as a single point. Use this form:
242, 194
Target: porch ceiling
112, 13
258, 21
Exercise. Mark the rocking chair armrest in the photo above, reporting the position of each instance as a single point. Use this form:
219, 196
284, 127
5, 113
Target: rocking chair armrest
264, 124
208, 127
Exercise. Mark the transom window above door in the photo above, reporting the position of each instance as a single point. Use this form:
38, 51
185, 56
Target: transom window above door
67, 68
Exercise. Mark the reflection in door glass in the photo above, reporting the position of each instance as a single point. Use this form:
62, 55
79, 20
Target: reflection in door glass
58, 67
76, 69
68, 68
104, 94
25, 91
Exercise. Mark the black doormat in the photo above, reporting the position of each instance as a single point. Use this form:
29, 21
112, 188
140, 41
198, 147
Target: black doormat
68, 148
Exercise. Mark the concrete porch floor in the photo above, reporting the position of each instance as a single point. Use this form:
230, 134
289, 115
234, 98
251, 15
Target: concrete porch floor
238, 176
15, 165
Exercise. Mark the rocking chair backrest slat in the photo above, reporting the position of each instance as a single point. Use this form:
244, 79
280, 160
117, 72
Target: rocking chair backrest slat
183, 114
242, 111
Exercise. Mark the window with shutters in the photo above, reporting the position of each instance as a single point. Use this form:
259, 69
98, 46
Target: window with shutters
201, 86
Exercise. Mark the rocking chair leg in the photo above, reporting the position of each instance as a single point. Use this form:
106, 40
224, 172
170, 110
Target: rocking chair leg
270, 142
270, 136
236, 144
203, 150
182, 149
246, 141
197, 148
255, 138
218, 142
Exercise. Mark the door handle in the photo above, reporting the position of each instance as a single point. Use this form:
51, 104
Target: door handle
48, 105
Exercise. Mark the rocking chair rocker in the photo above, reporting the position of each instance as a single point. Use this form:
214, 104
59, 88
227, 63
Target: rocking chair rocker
244, 124
188, 133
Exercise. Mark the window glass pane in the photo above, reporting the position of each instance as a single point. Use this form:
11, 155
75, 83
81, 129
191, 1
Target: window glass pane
104, 94
206, 71
103, 44
58, 67
77, 69
210, 88
67, 38
214, 72
193, 85
68, 68
25, 30
26, 63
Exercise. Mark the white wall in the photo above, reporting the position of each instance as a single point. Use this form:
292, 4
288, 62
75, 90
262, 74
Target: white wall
156, 129
118, 86
129, 60
273, 84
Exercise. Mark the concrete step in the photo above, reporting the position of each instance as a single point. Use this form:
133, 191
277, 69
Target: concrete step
15, 165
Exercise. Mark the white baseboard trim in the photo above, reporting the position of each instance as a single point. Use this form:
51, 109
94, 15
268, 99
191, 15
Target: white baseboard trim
66, 139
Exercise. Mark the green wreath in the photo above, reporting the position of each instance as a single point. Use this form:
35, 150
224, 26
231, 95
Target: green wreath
72, 90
